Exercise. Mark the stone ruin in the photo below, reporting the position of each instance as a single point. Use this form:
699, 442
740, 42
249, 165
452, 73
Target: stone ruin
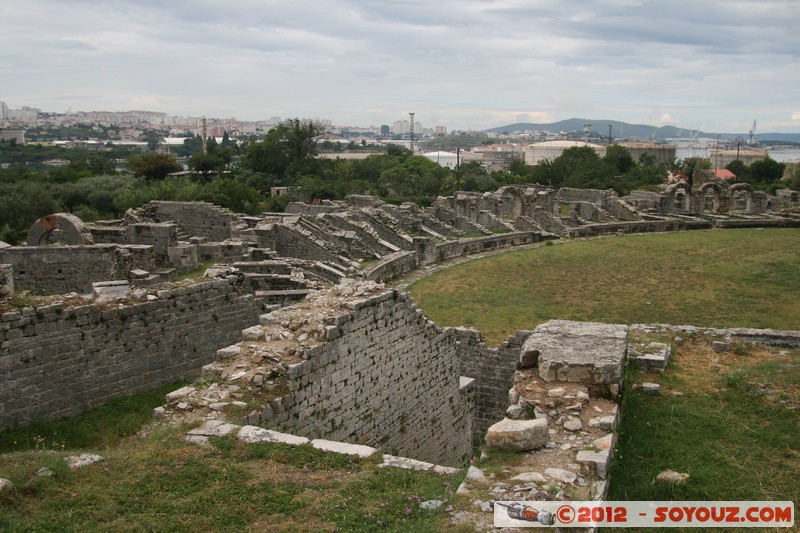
358, 237
326, 352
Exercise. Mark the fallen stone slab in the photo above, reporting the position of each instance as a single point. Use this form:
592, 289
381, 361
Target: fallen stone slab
108, 291
413, 464
517, 435
580, 352
343, 448
179, 394
475, 474
255, 434
210, 428
559, 474
82, 460
229, 351
530, 477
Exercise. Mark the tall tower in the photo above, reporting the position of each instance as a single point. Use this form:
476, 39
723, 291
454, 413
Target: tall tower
205, 142
411, 130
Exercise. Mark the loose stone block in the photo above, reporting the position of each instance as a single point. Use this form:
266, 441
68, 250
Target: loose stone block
413, 464
597, 461
559, 474
517, 435
82, 460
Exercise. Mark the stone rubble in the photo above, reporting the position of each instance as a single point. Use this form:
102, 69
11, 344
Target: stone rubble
82, 460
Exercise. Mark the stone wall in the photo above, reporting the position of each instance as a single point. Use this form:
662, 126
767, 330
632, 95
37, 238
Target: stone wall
463, 247
197, 219
60, 361
386, 377
63, 269
6, 280
493, 371
392, 265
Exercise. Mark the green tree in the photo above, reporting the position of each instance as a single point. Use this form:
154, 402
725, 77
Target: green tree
765, 173
286, 153
620, 158
206, 164
739, 169
154, 166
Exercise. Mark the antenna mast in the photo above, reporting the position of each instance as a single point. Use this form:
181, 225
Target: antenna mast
411, 130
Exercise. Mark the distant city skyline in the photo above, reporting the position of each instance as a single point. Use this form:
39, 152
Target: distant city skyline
712, 65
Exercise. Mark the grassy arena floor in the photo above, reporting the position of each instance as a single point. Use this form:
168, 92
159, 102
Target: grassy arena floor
728, 420
720, 278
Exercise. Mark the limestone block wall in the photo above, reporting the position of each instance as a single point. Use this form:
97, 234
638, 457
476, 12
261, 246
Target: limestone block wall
386, 377
493, 371
392, 265
198, 219
57, 361
463, 247
161, 236
63, 269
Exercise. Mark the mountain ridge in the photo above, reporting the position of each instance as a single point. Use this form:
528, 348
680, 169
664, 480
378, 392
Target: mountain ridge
627, 130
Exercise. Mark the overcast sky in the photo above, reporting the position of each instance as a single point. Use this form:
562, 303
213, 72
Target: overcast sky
708, 64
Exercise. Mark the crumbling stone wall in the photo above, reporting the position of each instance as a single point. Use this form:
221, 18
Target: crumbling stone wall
493, 371
63, 269
197, 219
6, 280
60, 361
386, 377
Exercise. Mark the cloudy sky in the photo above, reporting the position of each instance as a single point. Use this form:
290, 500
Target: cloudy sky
708, 64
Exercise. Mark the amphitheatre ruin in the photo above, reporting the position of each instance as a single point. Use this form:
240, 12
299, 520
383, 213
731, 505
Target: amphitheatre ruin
300, 323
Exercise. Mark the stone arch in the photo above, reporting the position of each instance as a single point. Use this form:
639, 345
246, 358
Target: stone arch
60, 228
742, 197
516, 198
679, 197
711, 196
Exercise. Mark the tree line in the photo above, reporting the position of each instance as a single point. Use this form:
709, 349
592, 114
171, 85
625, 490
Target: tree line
240, 176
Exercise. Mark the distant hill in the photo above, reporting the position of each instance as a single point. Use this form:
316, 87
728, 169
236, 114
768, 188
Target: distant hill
625, 130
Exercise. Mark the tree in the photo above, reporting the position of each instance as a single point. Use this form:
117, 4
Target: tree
205, 164
154, 166
739, 169
766, 172
287, 152
620, 157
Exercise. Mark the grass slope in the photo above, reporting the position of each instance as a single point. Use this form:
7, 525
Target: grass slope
722, 278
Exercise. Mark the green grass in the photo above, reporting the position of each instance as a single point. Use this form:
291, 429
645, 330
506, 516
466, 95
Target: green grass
720, 278
156, 481
197, 272
99, 428
736, 438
